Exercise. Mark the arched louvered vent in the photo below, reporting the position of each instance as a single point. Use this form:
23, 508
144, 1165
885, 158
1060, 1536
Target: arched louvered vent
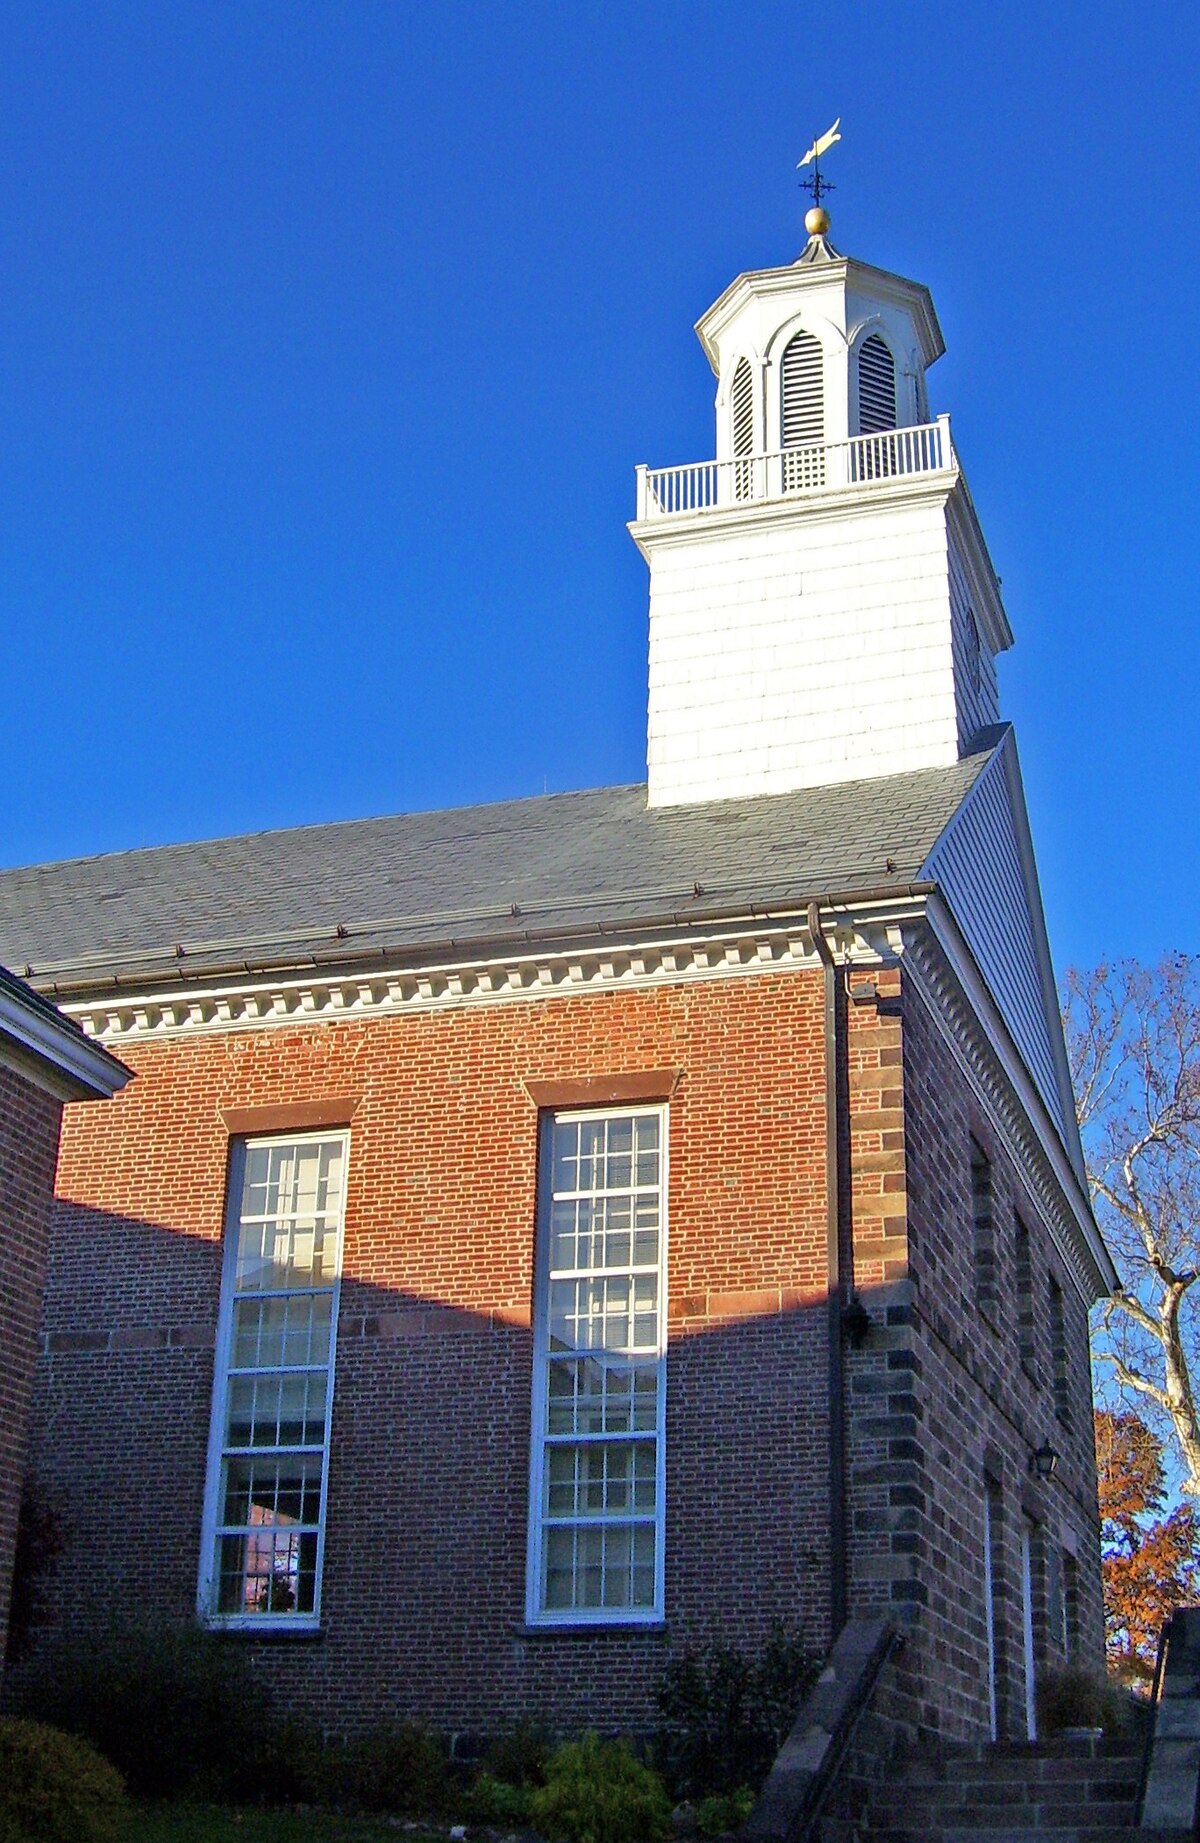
803, 419
876, 386
803, 395
742, 398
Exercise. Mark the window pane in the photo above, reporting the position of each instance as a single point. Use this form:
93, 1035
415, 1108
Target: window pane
270, 1491
288, 1329
291, 1200
584, 1396
607, 1479
277, 1410
267, 1571
589, 1569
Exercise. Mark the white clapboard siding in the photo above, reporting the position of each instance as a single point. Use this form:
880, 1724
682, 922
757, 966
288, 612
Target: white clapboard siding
976, 690
979, 866
803, 392
876, 386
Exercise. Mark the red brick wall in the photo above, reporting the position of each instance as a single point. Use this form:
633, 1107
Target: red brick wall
424, 1576
423, 1597
29, 1123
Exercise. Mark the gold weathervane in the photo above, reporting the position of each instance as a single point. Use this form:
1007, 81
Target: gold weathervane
816, 221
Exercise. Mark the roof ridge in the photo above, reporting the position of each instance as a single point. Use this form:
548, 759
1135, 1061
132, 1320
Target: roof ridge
316, 825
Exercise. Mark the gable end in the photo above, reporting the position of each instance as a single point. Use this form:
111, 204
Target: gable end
984, 866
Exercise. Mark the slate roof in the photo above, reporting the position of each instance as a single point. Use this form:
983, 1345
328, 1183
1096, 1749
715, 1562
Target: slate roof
501, 874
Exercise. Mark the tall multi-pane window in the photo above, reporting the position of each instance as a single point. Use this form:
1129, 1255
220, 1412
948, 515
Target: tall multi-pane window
1071, 1646
596, 1488
983, 1230
1058, 1351
1023, 1275
269, 1445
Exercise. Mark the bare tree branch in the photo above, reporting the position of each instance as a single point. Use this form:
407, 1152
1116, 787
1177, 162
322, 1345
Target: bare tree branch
1133, 1036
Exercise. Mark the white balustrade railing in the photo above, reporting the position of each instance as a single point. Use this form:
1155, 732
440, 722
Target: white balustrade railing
701, 486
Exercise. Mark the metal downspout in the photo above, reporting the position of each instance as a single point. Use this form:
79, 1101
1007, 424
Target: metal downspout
838, 1587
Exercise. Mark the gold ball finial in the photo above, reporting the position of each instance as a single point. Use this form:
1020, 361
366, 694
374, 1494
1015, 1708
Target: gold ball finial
816, 221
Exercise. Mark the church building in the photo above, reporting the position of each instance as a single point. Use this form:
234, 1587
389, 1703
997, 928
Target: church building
541, 1237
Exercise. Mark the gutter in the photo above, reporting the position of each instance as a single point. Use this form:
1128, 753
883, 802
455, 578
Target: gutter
92, 974
838, 1277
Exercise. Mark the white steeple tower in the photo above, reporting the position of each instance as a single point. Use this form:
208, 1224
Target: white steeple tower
822, 603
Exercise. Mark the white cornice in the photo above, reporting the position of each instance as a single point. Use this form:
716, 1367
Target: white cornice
982, 580
844, 270
755, 944
944, 974
53, 1055
914, 929
664, 530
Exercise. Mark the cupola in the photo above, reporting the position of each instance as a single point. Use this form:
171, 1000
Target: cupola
822, 350
822, 603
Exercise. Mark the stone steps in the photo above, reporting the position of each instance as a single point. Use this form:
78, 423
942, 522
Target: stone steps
1003, 1831
1065, 1791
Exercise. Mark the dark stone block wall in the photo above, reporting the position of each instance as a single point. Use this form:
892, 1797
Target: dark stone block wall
992, 1390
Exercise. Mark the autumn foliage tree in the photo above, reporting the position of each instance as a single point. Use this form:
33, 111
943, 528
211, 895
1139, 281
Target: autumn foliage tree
1150, 1562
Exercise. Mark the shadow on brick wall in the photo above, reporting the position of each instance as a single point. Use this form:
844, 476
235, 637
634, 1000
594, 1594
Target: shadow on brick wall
423, 1599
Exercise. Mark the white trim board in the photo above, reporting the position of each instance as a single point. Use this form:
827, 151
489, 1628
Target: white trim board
53, 1055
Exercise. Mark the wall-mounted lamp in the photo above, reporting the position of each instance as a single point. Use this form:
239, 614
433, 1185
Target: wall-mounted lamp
856, 1321
1045, 1461
867, 994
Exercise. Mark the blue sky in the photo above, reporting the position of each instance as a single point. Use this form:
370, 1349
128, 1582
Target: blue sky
330, 336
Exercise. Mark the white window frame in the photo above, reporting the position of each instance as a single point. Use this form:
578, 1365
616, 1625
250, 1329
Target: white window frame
206, 1599
535, 1613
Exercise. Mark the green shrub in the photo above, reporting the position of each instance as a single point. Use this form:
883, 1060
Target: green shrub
597, 1792
174, 1708
497, 1801
399, 1768
519, 1753
726, 1714
40, 1544
55, 1788
289, 1762
1077, 1698
723, 1813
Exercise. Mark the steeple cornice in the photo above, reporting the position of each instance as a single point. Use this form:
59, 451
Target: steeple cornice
844, 271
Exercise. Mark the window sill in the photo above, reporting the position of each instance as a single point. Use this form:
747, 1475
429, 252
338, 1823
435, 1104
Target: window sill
261, 1633
589, 1628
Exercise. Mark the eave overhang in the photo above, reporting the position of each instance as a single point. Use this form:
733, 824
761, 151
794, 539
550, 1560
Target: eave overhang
349, 980
53, 1053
